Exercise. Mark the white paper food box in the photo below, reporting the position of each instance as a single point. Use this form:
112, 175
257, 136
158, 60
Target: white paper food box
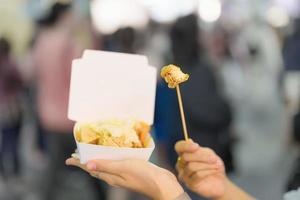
106, 85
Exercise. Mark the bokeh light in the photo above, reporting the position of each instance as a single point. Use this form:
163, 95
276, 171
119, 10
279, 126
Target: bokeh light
209, 10
277, 16
166, 12
110, 15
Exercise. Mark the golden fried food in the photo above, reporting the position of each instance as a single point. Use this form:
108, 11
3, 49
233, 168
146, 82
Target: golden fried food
173, 75
115, 133
143, 130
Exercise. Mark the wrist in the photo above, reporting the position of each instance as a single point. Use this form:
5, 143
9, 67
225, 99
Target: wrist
227, 188
168, 188
233, 192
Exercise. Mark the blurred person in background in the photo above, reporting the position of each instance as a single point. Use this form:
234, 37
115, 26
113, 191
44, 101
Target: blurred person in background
208, 114
291, 58
11, 86
291, 54
231, 73
123, 40
155, 43
53, 52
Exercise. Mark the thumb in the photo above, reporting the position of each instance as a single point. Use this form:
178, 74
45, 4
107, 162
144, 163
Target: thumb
186, 146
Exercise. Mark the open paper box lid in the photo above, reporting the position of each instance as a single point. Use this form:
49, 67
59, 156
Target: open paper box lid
115, 59
110, 88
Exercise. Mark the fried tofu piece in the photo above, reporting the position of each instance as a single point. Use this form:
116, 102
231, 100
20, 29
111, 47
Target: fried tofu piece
88, 136
173, 75
143, 131
111, 133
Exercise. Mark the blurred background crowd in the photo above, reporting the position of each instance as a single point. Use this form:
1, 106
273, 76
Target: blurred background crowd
242, 99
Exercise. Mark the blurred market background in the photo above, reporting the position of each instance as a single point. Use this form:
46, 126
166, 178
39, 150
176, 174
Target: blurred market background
242, 99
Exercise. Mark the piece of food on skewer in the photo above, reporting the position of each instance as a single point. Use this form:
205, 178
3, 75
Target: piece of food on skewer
173, 75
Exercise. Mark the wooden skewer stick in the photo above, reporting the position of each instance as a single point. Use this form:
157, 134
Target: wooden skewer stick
186, 137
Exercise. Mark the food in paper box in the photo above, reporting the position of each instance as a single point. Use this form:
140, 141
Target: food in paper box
173, 75
114, 133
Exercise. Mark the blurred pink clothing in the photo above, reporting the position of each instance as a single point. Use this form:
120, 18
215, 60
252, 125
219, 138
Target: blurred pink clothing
53, 54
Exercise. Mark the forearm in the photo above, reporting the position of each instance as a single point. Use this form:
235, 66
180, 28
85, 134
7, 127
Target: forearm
233, 192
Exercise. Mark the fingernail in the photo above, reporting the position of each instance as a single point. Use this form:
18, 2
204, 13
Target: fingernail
91, 166
195, 145
68, 161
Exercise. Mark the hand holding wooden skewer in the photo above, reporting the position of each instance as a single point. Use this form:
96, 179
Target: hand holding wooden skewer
174, 76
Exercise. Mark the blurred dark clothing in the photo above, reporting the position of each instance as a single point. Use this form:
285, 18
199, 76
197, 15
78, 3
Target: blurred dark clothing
60, 147
296, 127
291, 50
291, 54
9, 151
294, 179
10, 116
123, 40
167, 117
185, 45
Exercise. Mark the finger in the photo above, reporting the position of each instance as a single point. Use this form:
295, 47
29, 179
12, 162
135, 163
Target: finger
106, 166
181, 176
94, 174
193, 167
198, 177
179, 166
72, 161
111, 179
76, 163
186, 146
204, 155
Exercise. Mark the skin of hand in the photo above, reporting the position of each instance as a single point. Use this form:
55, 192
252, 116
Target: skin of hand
203, 172
137, 175
200, 169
